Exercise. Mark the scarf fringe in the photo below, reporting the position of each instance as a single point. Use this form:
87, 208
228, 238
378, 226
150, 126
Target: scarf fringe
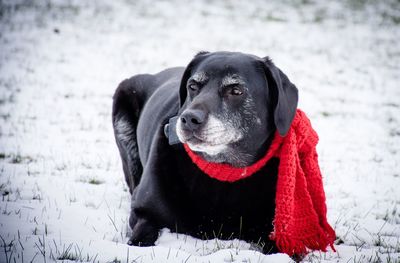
300, 246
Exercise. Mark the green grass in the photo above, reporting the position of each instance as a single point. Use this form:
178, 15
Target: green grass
18, 158
326, 114
91, 180
273, 18
95, 181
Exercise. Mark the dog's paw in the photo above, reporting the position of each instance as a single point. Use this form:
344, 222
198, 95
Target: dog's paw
144, 234
142, 243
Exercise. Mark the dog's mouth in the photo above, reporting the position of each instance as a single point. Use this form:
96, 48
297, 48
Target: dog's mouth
213, 137
193, 139
209, 148
196, 139
199, 143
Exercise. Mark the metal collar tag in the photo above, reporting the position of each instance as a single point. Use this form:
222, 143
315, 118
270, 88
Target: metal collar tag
170, 131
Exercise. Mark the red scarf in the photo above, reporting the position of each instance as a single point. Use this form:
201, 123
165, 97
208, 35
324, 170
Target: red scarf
300, 213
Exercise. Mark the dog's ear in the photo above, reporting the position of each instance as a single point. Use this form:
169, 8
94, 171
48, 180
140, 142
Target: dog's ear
286, 95
186, 75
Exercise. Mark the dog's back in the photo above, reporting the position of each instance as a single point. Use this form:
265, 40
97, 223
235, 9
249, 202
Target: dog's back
129, 104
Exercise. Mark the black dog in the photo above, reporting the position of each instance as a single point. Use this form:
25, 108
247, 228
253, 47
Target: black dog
229, 106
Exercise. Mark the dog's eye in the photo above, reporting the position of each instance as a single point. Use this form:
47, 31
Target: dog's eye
193, 87
236, 91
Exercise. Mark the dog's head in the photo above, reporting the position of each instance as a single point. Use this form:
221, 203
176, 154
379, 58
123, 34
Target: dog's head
231, 104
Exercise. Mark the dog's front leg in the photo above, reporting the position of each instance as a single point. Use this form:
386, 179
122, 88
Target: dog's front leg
151, 206
144, 232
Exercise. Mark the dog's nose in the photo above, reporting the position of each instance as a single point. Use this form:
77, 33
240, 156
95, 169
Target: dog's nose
192, 119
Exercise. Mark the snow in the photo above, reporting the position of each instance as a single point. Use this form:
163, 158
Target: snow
63, 192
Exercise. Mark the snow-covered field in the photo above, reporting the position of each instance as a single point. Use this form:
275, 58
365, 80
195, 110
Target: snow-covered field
63, 196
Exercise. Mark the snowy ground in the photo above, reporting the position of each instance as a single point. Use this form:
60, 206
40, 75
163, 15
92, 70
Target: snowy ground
61, 182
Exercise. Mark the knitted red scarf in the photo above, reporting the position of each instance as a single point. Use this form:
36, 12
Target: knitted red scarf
300, 214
